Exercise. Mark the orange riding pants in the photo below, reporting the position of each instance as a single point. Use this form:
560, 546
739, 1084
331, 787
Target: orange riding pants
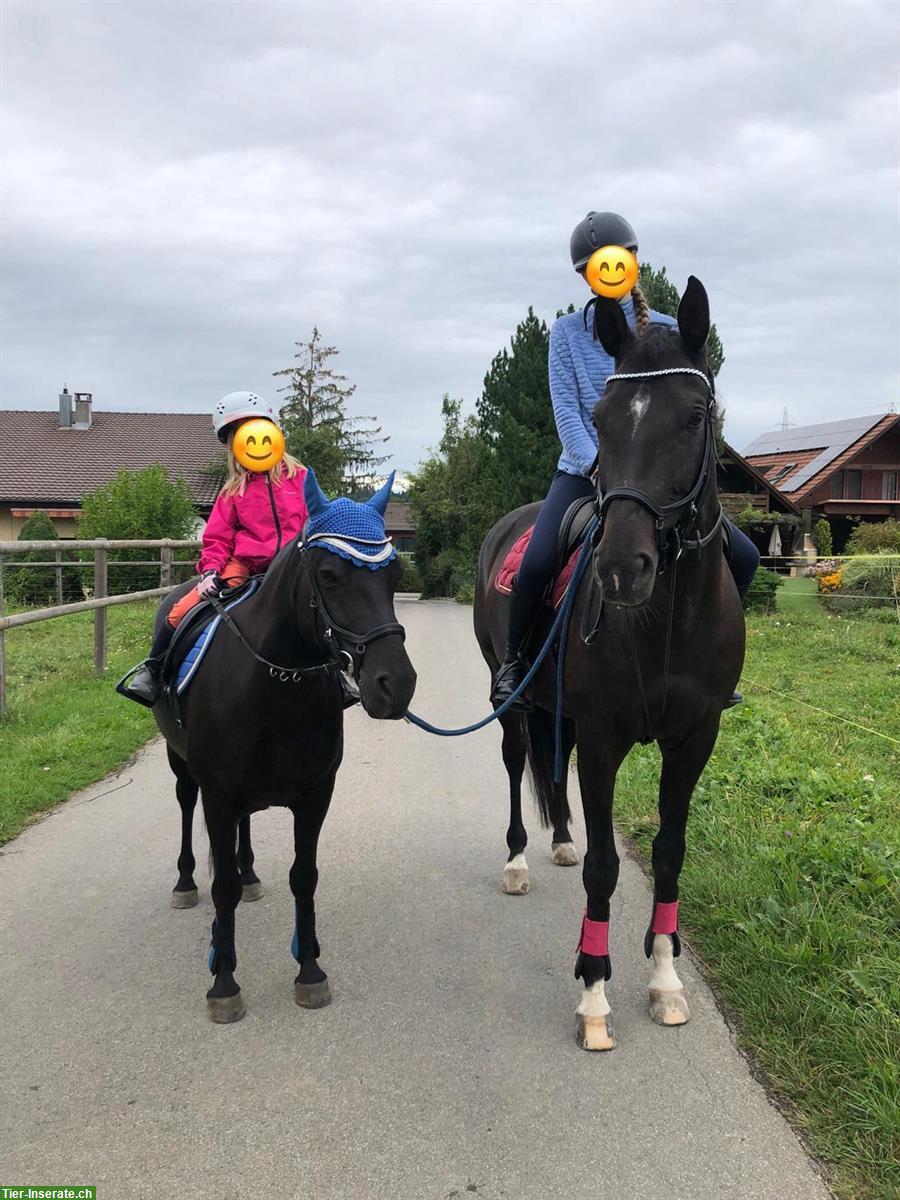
234, 575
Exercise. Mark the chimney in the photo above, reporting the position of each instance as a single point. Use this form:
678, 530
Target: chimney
65, 409
83, 416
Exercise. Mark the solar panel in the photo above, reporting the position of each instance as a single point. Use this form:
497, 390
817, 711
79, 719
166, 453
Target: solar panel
831, 438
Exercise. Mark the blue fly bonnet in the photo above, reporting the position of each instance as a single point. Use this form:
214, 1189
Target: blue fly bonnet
354, 531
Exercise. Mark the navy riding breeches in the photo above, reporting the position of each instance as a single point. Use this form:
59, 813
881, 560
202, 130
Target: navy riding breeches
539, 562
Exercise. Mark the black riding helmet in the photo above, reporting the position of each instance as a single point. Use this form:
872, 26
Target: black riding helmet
596, 230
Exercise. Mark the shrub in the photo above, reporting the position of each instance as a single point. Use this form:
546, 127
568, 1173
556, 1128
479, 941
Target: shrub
37, 585
875, 537
822, 538
864, 583
410, 580
761, 596
137, 504
830, 581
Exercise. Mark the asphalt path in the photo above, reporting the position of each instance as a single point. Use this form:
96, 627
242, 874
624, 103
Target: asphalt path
445, 1068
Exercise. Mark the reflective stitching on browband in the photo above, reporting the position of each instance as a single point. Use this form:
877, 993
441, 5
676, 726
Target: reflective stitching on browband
348, 548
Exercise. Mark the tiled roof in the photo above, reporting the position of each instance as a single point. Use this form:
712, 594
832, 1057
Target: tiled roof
399, 516
59, 465
776, 496
829, 441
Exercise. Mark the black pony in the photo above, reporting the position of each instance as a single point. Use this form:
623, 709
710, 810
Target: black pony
657, 642
262, 721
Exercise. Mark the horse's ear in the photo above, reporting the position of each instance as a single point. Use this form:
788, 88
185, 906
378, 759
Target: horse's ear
316, 500
693, 315
380, 500
610, 326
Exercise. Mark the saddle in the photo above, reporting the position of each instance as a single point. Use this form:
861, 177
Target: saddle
571, 536
193, 637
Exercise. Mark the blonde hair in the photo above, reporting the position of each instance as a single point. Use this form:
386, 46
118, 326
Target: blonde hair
641, 309
238, 474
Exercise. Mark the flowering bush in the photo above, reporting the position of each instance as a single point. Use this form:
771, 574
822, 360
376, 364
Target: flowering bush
829, 582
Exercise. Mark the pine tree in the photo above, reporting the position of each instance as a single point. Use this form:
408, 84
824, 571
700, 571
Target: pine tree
317, 427
515, 416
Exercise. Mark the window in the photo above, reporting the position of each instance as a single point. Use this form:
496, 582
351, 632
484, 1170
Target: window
889, 485
852, 485
782, 472
837, 485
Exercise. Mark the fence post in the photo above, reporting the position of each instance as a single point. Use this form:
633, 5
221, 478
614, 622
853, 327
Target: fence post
100, 575
165, 566
2, 648
59, 587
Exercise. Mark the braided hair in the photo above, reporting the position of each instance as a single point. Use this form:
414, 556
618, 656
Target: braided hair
641, 309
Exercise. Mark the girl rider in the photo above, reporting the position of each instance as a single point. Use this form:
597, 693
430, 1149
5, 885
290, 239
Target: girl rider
254, 515
579, 368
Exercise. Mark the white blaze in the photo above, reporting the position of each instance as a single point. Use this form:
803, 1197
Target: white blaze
638, 407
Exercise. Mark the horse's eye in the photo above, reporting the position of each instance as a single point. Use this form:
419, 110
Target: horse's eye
327, 577
696, 421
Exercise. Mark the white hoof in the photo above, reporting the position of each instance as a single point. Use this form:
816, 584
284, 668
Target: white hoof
515, 876
593, 1024
669, 1008
564, 854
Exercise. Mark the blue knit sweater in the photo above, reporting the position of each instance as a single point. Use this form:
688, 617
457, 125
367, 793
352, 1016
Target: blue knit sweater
579, 369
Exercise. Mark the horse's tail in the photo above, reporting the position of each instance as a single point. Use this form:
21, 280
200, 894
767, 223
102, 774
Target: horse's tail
540, 741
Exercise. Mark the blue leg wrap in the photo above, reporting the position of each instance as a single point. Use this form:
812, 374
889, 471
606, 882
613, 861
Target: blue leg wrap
304, 942
222, 952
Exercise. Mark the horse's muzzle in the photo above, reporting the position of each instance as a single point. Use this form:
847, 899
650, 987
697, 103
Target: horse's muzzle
626, 580
387, 680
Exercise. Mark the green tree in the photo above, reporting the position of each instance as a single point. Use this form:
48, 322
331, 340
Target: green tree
141, 504
318, 430
515, 417
37, 585
822, 538
454, 504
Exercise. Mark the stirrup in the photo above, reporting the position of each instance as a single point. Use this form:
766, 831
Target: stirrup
123, 687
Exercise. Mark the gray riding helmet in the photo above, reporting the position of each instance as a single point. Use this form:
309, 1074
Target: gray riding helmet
596, 230
239, 406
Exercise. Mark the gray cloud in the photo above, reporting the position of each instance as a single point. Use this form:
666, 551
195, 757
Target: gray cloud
189, 187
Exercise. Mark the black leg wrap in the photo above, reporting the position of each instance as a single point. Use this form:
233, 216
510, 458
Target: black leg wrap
222, 952
591, 968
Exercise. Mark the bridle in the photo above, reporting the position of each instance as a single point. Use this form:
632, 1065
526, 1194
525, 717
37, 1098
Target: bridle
345, 646
672, 536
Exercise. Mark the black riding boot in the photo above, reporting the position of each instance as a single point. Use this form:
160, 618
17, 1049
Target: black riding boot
144, 685
523, 612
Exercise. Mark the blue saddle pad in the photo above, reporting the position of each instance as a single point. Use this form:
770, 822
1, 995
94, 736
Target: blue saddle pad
192, 660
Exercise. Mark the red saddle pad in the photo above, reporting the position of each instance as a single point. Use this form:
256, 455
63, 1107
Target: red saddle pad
506, 576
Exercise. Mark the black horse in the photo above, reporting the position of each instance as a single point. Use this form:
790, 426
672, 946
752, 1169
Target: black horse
262, 722
657, 641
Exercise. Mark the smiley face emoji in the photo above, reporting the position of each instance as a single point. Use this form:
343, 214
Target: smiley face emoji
258, 444
611, 271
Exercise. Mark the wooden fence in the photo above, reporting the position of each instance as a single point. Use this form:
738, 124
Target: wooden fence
99, 601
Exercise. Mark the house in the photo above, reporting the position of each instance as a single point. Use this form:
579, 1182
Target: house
400, 525
756, 505
75, 449
845, 470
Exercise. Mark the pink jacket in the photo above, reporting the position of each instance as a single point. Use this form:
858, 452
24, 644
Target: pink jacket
243, 527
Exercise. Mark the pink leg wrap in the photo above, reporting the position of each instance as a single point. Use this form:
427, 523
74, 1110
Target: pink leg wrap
665, 917
594, 937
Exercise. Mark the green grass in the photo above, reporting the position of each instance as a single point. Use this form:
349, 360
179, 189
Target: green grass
66, 727
790, 886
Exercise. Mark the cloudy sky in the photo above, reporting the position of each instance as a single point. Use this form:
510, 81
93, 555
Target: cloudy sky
189, 187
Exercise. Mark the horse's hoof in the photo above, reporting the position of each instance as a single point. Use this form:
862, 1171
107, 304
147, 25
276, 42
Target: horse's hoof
185, 899
252, 891
668, 1008
224, 1010
594, 1033
564, 854
515, 876
312, 995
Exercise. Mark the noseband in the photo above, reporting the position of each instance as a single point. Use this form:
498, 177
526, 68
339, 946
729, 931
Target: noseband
346, 647
672, 536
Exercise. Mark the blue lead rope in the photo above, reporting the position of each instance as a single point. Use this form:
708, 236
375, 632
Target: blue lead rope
560, 630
